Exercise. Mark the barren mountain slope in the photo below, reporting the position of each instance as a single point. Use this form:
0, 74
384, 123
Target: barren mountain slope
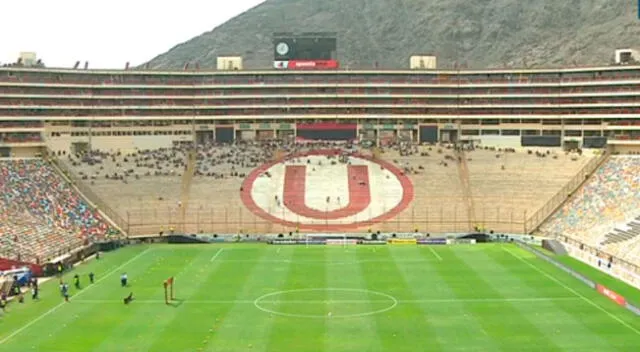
482, 33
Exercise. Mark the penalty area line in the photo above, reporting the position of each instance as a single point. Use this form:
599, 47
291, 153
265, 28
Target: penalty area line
55, 308
435, 253
578, 294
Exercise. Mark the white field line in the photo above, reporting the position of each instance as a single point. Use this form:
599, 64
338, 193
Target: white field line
40, 317
434, 253
325, 262
217, 254
578, 294
364, 301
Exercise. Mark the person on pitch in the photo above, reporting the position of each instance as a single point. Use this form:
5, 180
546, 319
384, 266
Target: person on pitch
123, 280
65, 292
34, 292
129, 298
76, 281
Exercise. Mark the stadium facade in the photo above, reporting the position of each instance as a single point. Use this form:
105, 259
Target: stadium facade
71, 110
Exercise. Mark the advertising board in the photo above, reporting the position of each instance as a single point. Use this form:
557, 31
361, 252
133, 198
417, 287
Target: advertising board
432, 241
603, 290
306, 64
403, 241
305, 51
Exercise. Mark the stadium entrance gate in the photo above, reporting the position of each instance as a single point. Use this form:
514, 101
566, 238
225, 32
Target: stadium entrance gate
428, 134
204, 137
286, 135
80, 147
448, 136
225, 134
571, 144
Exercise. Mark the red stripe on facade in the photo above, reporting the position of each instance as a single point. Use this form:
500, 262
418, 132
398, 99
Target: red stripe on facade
324, 126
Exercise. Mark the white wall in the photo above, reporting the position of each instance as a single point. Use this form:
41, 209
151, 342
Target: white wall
500, 141
226, 63
114, 143
25, 152
247, 135
422, 63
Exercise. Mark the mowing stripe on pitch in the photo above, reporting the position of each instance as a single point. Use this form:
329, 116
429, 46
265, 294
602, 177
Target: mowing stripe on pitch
217, 254
578, 294
364, 301
40, 317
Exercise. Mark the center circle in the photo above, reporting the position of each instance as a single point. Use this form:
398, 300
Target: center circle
325, 303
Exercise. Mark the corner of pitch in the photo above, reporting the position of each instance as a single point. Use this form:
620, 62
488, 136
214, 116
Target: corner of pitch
326, 191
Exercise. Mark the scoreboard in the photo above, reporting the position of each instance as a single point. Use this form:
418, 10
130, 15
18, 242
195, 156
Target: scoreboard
305, 51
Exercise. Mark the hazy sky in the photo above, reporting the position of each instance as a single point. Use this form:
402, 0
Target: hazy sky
107, 33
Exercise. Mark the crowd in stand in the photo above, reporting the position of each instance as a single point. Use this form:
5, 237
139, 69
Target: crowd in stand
212, 161
37, 204
218, 161
41, 215
222, 161
610, 199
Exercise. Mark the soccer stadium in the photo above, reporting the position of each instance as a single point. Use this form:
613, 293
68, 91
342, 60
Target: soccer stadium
307, 207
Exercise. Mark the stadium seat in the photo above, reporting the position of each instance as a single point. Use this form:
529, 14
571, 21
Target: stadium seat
41, 215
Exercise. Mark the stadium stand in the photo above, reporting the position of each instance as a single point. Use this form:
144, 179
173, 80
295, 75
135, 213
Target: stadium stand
135, 124
604, 213
143, 186
41, 215
507, 184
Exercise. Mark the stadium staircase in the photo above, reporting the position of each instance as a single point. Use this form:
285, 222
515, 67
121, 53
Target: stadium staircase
185, 191
620, 235
565, 194
463, 174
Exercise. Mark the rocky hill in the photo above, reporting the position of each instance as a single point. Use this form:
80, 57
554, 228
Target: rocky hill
480, 33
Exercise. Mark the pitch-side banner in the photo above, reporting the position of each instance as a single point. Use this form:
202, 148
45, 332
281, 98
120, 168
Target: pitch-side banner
402, 241
341, 242
432, 241
611, 295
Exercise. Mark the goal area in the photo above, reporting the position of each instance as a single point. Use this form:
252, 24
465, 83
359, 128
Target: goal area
330, 240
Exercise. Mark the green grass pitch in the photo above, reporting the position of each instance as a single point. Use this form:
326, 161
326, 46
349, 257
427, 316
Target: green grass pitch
251, 297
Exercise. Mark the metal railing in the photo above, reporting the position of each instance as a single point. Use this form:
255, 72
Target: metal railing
533, 222
238, 219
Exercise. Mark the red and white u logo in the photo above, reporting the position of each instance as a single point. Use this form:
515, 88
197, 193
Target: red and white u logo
357, 198
310, 193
